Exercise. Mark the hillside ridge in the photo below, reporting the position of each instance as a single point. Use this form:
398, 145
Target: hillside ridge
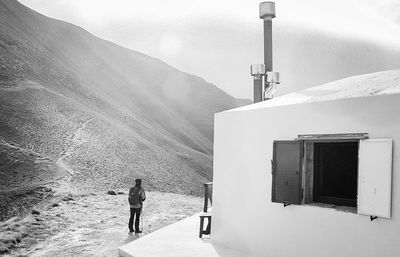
98, 113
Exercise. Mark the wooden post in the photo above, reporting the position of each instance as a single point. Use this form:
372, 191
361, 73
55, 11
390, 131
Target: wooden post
205, 197
201, 226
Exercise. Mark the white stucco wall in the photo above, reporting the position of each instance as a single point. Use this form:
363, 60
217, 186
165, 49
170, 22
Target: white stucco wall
244, 216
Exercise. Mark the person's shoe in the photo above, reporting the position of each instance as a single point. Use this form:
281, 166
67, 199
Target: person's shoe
131, 231
138, 231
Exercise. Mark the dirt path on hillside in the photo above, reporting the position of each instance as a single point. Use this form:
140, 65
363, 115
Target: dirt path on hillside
19, 85
75, 224
77, 139
24, 169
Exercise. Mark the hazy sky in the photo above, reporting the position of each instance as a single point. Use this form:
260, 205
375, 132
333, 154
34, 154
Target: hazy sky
218, 40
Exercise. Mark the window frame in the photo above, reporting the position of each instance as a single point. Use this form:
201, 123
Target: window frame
369, 175
306, 177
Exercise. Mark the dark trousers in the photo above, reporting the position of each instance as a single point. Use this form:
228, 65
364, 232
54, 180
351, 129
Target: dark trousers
134, 212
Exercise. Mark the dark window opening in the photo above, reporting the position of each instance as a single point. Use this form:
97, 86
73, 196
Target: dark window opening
335, 173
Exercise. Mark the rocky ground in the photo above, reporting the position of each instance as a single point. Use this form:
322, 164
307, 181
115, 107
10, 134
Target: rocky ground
93, 224
45, 210
56, 204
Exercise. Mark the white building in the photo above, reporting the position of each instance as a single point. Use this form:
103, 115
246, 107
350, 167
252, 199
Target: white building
335, 188
309, 174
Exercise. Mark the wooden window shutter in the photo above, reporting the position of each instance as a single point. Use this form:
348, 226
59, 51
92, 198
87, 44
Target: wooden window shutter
375, 177
286, 172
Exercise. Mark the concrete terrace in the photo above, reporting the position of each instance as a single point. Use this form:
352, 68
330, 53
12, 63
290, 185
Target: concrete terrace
177, 240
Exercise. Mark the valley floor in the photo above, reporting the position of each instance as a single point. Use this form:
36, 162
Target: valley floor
89, 224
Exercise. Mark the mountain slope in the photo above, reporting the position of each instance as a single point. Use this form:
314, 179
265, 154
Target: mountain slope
103, 113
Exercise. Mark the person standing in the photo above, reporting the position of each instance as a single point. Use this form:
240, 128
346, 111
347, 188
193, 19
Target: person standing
136, 198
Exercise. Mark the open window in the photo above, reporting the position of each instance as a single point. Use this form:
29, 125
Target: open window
335, 173
334, 170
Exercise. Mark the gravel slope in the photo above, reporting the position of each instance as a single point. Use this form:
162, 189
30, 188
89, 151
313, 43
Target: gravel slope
102, 113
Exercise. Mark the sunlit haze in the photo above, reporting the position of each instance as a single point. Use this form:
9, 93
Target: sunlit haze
218, 40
